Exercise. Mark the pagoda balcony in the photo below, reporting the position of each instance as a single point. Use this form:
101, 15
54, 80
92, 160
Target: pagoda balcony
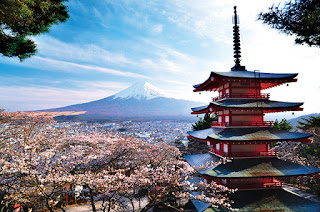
258, 186
252, 186
243, 123
275, 184
270, 153
243, 96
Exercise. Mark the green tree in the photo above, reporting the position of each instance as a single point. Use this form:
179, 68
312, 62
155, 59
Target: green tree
204, 123
20, 19
282, 125
311, 152
311, 125
311, 122
299, 18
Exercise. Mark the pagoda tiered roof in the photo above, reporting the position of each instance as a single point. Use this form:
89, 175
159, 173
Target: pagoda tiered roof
248, 104
267, 80
268, 200
249, 167
260, 167
203, 163
249, 134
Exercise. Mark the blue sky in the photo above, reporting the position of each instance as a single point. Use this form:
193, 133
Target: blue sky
107, 45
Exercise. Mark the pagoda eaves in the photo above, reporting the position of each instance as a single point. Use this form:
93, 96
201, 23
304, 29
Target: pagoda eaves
248, 135
248, 168
248, 104
267, 80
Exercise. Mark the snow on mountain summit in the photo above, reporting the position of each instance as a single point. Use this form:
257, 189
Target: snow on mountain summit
141, 91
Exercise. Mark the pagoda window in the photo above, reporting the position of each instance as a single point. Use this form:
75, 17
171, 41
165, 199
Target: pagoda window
218, 146
224, 181
227, 119
208, 143
227, 91
220, 93
225, 148
219, 119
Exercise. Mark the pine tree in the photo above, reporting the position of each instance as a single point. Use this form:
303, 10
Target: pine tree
282, 125
299, 18
24, 18
311, 122
204, 123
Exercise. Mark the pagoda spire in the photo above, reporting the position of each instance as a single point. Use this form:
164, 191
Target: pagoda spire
236, 44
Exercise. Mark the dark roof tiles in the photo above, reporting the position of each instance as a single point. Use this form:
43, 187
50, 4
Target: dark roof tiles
247, 134
249, 104
260, 167
202, 162
253, 75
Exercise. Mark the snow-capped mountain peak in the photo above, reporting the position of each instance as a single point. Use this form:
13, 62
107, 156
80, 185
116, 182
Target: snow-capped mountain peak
140, 90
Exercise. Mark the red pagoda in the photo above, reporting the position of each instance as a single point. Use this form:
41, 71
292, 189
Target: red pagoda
241, 136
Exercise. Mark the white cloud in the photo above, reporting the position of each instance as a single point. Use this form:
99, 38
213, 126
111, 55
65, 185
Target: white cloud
40, 97
117, 86
59, 65
89, 53
157, 29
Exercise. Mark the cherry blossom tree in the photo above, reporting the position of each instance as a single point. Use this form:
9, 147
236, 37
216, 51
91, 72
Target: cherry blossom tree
124, 170
30, 164
38, 160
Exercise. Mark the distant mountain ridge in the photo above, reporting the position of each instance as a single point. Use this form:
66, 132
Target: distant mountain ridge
294, 121
141, 100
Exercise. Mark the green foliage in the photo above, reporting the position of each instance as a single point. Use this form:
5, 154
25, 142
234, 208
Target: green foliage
24, 18
282, 125
299, 18
204, 123
315, 184
312, 122
312, 149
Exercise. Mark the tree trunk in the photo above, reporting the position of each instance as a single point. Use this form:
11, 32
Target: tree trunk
2, 194
48, 206
132, 204
148, 206
59, 205
92, 200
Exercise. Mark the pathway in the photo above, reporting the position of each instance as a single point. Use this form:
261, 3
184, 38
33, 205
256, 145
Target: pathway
301, 193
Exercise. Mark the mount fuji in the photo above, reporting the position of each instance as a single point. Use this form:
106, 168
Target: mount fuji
140, 101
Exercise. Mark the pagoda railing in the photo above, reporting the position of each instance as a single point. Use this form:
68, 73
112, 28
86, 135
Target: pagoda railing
254, 186
270, 153
275, 183
218, 152
243, 96
243, 123
250, 186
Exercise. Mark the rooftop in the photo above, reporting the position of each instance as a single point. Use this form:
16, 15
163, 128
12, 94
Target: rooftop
266, 200
267, 80
249, 134
260, 167
256, 104
246, 168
